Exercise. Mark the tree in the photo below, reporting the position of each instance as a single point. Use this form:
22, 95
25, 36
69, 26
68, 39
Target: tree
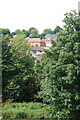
26, 33
42, 35
33, 32
60, 84
17, 31
5, 31
47, 31
57, 29
6, 64
19, 81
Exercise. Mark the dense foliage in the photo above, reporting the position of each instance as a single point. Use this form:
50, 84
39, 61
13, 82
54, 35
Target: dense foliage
25, 110
18, 64
57, 74
60, 68
4, 31
30, 110
19, 81
32, 32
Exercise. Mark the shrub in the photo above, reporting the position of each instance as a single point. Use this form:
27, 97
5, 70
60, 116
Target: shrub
25, 110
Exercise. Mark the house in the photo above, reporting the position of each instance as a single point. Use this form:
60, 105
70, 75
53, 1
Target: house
47, 39
37, 42
37, 52
49, 36
47, 42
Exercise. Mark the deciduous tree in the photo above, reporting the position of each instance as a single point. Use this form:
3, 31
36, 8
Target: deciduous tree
19, 81
60, 67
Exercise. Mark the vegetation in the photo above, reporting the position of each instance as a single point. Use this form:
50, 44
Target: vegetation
60, 83
19, 81
29, 110
54, 79
57, 29
25, 110
4, 31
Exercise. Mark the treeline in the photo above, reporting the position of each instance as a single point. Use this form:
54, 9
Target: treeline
32, 32
54, 80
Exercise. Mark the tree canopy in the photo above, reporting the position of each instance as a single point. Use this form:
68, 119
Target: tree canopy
59, 68
57, 74
57, 29
33, 32
47, 31
19, 81
4, 31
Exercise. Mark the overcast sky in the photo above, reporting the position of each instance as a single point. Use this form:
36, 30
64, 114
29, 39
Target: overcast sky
41, 14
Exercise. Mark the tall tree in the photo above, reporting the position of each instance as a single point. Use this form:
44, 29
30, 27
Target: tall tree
60, 69
6, 64
19, 81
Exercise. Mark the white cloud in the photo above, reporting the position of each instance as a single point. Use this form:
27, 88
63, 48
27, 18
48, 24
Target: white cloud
23, 14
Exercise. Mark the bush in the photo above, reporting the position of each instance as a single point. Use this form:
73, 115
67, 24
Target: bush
25, 110
32, 110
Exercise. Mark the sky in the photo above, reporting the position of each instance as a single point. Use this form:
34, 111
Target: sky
41, 14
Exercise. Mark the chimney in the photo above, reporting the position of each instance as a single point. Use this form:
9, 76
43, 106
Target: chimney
79, 7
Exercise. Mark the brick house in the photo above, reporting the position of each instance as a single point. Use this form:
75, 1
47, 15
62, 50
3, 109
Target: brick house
37, 42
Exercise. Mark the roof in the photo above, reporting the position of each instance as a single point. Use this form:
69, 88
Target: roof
37, 48
50, 35
36, 40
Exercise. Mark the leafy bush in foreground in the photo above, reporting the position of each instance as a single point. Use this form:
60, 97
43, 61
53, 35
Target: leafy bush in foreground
25, 110
31, 110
